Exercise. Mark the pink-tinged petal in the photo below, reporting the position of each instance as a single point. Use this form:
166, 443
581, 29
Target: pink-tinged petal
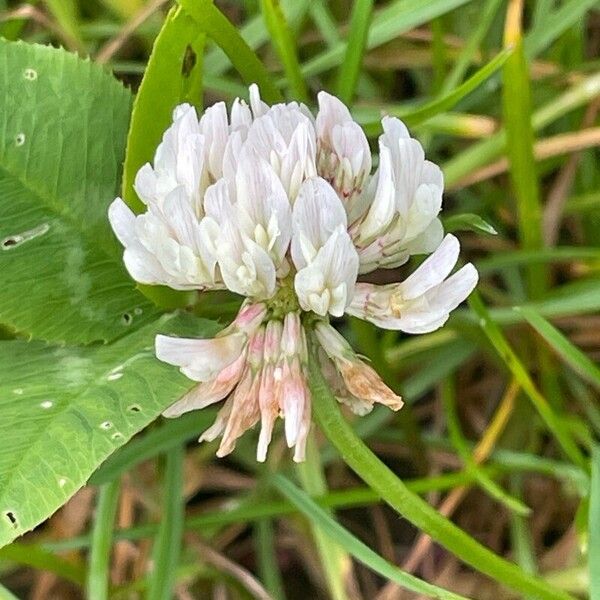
360, 379
208, 393
200, 359
244, 414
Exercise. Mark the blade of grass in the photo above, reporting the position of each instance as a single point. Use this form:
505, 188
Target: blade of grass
33, 555
555, 23
255, 34
358, 549
533, 257
395, 493
519, 145
264, 539
488, 13
482, 153
332, 556
503, 462
574, 357
360, 20
211, 21
520, 534
594, 527
459, 443
98, 579
328, 28
66, 14
167, 545
431, 109
519, 372
284, 43
388, 23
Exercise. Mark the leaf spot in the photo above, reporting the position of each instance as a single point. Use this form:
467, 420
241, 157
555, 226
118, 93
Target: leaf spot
12, 241
18, 391
46, 404
30, 74
19, 139
138, 311
106, 425
11, 518
134, 408
62, 482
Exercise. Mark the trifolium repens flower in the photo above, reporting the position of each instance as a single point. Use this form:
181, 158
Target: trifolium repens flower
283, 208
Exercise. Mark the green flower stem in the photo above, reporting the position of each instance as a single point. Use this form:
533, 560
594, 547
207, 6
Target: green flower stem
102, 539
395, 493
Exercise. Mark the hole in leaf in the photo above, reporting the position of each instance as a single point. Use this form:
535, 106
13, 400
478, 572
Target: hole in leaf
20, 139
9, 242
30, 74
12, 519
126, 318
117, 436
134, 408
106, 425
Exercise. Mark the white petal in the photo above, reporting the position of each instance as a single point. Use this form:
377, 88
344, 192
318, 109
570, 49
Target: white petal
200, 359
215, 128
428, 240
317, 213
122, 220
433, 270
145, 184
383, 206
259, 108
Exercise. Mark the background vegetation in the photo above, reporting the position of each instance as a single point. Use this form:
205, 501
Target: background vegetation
499, 432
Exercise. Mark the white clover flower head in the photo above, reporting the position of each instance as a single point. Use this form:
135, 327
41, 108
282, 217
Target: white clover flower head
283, 209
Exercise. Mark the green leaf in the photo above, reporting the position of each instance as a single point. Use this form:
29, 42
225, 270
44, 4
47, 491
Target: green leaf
65, 410
161, 90
64, 121
354, 546
468, 222
169, 434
